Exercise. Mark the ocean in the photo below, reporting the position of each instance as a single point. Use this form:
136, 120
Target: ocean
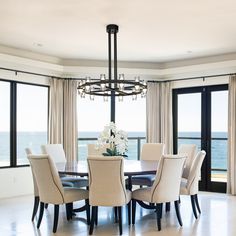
34, 140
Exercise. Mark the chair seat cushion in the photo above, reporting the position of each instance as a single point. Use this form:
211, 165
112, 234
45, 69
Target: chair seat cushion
67, 184
146, 180
75, 194
78, 182
142, 194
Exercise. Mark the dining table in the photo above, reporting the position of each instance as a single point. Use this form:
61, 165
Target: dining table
131, 168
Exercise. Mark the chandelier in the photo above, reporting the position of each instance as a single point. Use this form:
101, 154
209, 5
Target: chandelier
114, 85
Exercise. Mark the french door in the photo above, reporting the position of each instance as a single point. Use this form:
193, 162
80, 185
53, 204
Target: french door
200, 117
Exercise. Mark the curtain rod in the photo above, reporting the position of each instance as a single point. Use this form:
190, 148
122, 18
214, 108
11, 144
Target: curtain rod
29, 73
192, 78
155, 81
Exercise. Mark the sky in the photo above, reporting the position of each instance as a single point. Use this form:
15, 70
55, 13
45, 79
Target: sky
32, 105
94, 115
189, 112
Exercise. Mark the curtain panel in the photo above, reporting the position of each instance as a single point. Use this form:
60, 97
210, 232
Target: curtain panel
56, 111
70, 119
159, 114
231, 178
63, 115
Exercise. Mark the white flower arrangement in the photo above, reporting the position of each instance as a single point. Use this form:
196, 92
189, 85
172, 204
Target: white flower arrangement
118, 140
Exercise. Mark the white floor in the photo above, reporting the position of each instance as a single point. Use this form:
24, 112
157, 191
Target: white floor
218, 218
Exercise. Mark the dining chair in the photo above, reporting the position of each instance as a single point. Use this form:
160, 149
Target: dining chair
107, 187
57, 153
51, 190
165, 188
150, 152
189, 150
36, 192
190, 186
95, 150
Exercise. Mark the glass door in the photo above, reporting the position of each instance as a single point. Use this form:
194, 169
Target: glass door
200, 117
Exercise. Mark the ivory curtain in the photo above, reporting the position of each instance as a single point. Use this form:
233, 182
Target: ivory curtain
56, 111
231, 180
159, 114
70, 119
63, 115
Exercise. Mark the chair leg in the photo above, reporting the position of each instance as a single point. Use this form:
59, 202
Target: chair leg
40, 214
46, 205
178, 212
120, 219
167, 206
68, 211
115, 214
129, 212
87, 211
197, 203
159, 213
36, 205
193, 206
92, 220
133, 211
56, 214
96, 216
161, 210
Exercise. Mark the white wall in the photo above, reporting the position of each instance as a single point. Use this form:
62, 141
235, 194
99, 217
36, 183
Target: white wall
15, 182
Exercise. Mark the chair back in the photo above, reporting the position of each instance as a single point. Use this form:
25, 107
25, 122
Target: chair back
152, 151
36, 191
195, 172
166, 186
106, 181
55, 151
95, 150
47, 178
190, 151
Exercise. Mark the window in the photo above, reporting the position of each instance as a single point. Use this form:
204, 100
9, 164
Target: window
32, 110
201, 119
131, 117
92, 116
23, 121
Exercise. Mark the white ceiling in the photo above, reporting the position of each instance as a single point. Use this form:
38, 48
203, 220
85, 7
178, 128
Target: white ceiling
150, 30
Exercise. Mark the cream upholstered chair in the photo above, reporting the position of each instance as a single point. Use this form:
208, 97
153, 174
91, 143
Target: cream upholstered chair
190, 186
57, 153
94, 150
107, 186
51, 190
150, 152
189, 150
165, 188
36, 192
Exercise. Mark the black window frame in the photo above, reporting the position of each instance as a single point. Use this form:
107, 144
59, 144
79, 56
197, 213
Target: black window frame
13, 120
206, 184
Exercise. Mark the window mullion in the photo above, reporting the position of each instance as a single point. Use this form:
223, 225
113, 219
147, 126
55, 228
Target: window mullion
13, 114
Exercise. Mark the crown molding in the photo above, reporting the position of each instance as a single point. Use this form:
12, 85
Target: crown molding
33, 62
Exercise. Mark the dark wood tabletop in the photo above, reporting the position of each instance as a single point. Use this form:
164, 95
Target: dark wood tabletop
131, 168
